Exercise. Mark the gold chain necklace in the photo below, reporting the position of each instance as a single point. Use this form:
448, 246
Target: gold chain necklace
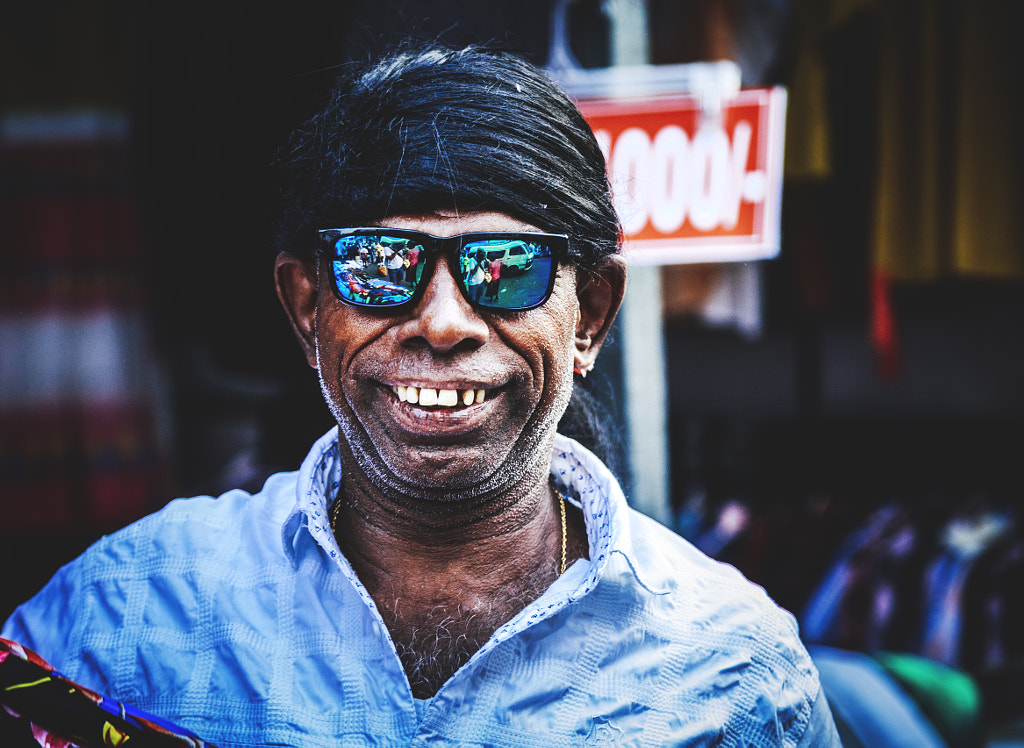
333, 513
561, 506
335, 509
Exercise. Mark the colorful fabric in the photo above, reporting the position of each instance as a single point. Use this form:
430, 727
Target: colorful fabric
66, 713
240, 618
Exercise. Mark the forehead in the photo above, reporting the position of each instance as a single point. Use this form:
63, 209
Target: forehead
450, 223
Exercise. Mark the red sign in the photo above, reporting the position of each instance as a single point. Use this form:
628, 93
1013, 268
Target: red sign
693, 187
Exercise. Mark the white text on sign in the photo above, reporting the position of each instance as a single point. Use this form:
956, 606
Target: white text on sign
672, 178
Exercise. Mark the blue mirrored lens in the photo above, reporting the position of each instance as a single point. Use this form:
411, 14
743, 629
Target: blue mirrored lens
507, 273
376, 270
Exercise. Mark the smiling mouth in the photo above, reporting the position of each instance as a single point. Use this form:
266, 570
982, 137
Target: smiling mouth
430, 397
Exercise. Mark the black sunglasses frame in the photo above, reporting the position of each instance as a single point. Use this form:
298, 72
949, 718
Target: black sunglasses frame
432, 246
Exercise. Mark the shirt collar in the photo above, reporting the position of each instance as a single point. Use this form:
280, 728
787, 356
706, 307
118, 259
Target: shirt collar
316, 486
608, 517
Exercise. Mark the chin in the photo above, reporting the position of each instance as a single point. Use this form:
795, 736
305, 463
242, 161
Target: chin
447, 473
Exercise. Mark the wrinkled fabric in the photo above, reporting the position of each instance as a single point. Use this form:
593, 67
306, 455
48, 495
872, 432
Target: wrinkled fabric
240, 619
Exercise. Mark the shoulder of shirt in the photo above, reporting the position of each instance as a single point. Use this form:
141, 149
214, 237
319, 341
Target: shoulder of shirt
192, 525
671, 565
712, 603
671, 577
663, 562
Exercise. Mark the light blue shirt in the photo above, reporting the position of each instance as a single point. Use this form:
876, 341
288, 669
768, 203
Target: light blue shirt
240, 619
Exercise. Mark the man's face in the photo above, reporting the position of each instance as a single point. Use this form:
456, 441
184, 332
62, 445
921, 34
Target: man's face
517, 369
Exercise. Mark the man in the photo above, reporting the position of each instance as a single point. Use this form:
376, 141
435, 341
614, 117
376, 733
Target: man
444, 567
476, 275
396, 265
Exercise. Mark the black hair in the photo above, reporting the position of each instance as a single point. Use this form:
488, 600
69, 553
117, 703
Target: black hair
432, 128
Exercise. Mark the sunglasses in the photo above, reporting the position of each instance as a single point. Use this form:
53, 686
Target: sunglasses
384, 268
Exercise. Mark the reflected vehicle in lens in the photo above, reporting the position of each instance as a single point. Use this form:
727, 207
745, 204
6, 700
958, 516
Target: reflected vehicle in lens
515, 256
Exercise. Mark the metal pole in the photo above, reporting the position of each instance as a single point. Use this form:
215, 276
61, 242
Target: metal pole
641, 321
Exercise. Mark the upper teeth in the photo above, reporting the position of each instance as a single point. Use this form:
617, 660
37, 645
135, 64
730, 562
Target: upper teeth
431, 396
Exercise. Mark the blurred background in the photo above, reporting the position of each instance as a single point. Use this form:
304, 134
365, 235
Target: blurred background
844, 423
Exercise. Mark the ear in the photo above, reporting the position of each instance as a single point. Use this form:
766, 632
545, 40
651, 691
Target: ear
600, 293
298, 289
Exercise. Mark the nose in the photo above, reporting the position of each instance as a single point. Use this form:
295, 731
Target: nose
443, 319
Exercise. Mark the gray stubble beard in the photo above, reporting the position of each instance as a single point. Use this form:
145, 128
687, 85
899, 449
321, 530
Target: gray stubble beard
499, 487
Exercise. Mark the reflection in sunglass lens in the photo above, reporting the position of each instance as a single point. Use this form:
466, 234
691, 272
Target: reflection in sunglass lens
507, 273
385, 269
377, 270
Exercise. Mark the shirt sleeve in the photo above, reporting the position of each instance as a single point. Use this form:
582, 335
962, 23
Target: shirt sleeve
821, 728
